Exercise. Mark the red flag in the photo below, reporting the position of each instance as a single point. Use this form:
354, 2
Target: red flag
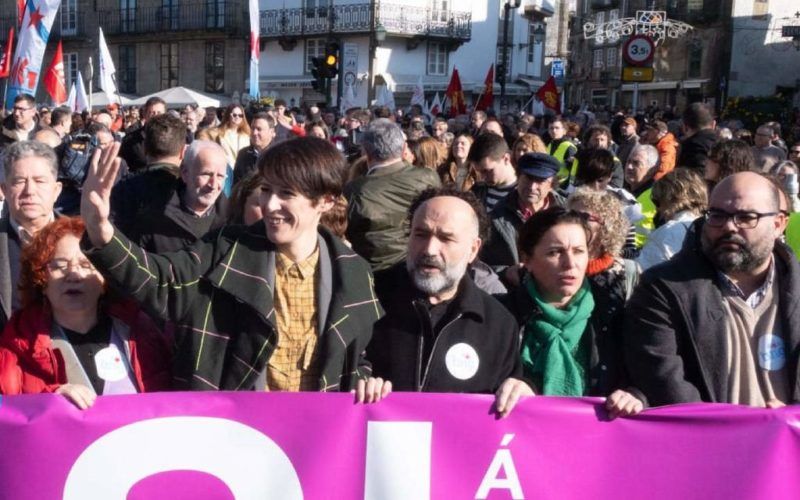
487, 99
548, 94
21, 4
5, 60
54, 81
456, 95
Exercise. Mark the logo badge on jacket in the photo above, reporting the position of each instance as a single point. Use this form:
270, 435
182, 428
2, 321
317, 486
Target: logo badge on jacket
109, 363
771, 352
462, 361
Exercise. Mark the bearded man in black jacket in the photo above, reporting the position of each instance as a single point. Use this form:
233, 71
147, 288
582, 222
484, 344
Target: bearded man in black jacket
441, 333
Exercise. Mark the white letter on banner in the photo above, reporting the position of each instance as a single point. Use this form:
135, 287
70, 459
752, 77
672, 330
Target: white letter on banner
398, 461
502, 460
250, 464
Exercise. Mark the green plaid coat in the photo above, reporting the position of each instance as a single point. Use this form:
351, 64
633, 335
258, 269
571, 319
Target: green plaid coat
217, 294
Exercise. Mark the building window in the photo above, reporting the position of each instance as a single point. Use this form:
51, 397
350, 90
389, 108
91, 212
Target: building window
127, 16
69, 17
694, 6
70, 68
215, 13
599, 18
315, 47
215, 67
440, 10
536, 36
437, 58
498, 64
695, 60
611, 57
169, 65
169, 14
126, 70
598, 58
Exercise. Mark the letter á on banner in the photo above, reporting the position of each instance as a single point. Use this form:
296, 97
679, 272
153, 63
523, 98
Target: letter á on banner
227, 450
502, 460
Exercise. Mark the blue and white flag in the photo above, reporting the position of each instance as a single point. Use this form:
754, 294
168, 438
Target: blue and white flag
31, 43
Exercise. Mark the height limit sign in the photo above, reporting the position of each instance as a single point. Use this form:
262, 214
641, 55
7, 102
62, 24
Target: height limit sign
638, 53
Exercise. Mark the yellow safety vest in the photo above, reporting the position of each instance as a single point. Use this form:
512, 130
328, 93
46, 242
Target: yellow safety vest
559, 154
647, 223
793, 233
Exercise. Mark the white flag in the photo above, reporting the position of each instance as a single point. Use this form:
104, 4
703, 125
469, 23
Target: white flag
348, 99
418, 97
436, 105
385, 97
78, 100
107, 70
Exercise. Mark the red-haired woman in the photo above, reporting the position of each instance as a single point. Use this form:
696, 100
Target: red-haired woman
234, 132
68, 337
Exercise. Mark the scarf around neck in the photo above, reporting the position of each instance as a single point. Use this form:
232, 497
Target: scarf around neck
553, 355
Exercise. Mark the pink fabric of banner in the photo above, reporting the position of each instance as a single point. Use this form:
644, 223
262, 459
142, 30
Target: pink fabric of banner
248, 445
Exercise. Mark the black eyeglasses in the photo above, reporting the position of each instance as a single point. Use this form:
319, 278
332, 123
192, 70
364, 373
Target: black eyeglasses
742, 220
237, 115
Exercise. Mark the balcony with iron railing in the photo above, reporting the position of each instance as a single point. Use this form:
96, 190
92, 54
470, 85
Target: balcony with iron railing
397, 19
66, 29
210, 16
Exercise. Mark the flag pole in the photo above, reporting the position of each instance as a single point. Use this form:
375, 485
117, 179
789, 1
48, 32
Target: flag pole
480, 96
5, 94
529, 101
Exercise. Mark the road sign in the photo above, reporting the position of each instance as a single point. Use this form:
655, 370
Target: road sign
557, 69
638, 50
632, 74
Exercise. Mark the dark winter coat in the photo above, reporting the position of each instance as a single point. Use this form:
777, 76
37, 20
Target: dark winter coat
675, 339
473, 318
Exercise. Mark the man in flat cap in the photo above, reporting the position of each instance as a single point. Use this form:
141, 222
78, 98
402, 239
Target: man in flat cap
535, 191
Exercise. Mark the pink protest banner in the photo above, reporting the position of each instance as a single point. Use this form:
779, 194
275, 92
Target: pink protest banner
319, 446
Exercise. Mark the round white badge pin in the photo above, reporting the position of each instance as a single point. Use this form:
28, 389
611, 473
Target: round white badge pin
110, 365
771, 352
462, 361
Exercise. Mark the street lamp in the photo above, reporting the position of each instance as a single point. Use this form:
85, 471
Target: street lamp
380, 33
503, 69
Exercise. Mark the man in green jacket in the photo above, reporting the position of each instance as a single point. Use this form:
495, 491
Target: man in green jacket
379, 201
282, 305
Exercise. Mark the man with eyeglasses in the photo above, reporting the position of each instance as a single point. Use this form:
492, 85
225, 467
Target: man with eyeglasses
720, 322
794, 153
21, 124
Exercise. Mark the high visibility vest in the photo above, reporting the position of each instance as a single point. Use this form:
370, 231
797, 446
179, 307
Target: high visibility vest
647, 223
793, 233
559, 154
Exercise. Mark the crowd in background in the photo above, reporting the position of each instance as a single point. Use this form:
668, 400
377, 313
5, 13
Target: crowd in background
648, 259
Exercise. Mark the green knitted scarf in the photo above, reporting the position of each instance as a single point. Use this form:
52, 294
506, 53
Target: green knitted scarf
553, 355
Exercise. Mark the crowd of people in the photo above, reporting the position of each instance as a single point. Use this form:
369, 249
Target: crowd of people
649, 260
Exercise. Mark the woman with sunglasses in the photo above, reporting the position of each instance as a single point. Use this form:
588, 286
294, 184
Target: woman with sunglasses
571, 328
69, 337
234, 132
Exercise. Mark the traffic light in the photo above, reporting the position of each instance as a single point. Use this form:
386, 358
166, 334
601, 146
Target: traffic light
331, 61
318, 72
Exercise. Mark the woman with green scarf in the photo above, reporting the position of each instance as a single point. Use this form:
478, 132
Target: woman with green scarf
569, 347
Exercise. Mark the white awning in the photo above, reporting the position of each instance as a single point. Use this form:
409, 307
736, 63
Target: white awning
666, 85
534, 85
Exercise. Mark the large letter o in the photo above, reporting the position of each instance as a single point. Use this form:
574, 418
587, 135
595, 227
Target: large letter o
247, 461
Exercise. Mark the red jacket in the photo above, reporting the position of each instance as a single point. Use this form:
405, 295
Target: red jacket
29, 364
